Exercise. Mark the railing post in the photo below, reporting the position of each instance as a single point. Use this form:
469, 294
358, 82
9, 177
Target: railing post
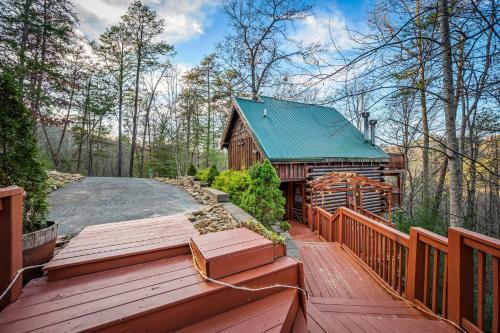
416, 261
460, 278
340, 227
11, 245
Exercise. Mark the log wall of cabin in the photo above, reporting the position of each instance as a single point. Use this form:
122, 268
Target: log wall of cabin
296, 174
242, 149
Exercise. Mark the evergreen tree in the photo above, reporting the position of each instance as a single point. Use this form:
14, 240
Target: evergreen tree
212, 174
192, 170
115, 49
19, 163
263, 199
144, 26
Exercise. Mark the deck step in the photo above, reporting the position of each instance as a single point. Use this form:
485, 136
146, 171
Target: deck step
157, 296
228, 252
113, 245
275, 313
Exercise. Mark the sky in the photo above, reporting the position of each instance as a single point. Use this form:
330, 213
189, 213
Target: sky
195, 26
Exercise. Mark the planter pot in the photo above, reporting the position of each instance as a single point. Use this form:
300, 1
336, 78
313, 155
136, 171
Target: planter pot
38, 248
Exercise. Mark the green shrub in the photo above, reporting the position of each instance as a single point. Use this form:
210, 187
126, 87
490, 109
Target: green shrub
260, 229
212, 174
263, 198
202, 174
285, 226
233, 183
192, 170
20, 164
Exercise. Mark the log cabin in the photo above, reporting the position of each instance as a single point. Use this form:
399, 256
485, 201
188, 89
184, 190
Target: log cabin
303, 142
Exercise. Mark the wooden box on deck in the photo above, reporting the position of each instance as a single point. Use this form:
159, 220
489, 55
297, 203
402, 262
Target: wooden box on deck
232, 251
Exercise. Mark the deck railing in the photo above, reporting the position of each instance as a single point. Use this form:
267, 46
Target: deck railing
373, 216
473, 268
428, 270
456, 277
380, 247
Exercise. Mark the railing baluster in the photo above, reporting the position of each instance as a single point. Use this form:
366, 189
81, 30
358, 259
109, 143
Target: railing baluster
496, 295
393, 262
400, 270
481, 272
426, 275
435, 276
406, 251
384, 258
444, 307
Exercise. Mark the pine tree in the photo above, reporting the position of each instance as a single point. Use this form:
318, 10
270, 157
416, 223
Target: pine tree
263, 199
144, 26
19, 162
116, 51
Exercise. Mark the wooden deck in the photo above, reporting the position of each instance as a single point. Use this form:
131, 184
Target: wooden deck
344, 297
156, 294
301, 233
112, 245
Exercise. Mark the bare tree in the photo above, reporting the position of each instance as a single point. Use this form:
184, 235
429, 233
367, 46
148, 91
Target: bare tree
259, 41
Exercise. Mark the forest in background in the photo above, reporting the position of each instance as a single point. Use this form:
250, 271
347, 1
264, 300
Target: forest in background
121, 106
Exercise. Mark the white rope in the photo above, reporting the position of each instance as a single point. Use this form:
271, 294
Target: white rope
244, 288
16, 276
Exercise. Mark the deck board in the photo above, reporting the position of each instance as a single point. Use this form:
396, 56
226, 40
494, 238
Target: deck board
260, 316
99, 299
301, 233
336, 274
119, 244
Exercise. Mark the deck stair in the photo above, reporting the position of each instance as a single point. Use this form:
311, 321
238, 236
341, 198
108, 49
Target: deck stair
112, 245
161, 294
274, 313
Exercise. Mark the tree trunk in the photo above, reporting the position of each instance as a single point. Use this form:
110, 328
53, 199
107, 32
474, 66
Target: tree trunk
22, 50
456, 213
90, 143
439, 189
82, 130
65, 126
209, 117
423, 108
120, 118
134, 118
143, 148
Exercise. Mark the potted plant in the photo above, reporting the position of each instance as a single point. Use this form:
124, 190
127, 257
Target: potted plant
20, 165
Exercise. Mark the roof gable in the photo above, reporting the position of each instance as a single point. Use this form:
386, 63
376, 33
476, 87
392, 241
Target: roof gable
291, 131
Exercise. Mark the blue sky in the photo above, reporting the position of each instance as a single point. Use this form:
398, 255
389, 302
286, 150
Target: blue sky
195, 26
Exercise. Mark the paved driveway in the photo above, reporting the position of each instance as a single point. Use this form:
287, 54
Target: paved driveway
96, 200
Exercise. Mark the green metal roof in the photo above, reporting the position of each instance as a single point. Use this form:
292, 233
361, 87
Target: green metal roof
292, 131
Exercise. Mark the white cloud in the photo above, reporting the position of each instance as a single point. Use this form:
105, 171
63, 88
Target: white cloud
183, 19
329, 28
